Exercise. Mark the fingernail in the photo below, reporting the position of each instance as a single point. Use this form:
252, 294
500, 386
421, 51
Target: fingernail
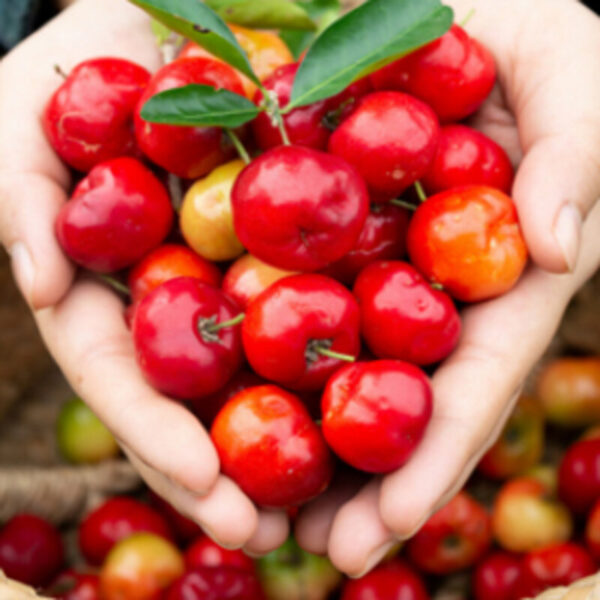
23, 269
374, 558
567, 232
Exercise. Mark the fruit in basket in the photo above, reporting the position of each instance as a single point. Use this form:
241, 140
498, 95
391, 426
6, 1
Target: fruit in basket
75, 585
286, 222
188, 152
454, 538
203, 552
186, 341
116, 214
81, 436
527, 516
89, 119
114, 520
216, 583
142, 566
468, 240
391, 139
31, 550
376, 413
495, 577
269, 445
402, 316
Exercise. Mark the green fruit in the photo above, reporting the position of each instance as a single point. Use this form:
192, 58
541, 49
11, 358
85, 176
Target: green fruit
81, 436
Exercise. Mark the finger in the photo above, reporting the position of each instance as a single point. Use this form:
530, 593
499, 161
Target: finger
272, 530
87, 336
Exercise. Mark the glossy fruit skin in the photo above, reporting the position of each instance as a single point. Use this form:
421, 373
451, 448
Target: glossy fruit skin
206, 218
391, 139
203, 552
89, 119
188, 152
118, 213
290, 225
383, 237
248, 277
453, 74
81, 436
552, 566
495, 577
220, 583
116, 519
579, 476
468, 240
75, 585
167, 262
391, 581
454, 538
527, 516
31, 550
173, 352
287, 319
140, 567
185, 529
466, 156
402, 316
520, 445
375, 413
592, 531
569, 390
269, 445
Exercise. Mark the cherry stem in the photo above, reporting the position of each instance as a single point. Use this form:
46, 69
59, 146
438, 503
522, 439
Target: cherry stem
175, 186
271, 105
467, 18
403, 204
115, 284
420, 191
214, 327
58, 69
332, 354
235, 140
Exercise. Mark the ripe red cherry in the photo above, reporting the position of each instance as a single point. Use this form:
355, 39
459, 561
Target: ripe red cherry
89, 119
188, 152
291, 224
402, 316
75, 585
167, 262
206, 553
391, 139
269, 445
466, 156
391, 581
31, 550
454, 538
579, 476
453, 74
291, 328
496, 576
181, 343
375, 413
115, 520
383, 237
220, 583
118, 213
468, 240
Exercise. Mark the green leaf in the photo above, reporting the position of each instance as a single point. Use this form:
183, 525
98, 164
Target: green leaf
265, 14
365, 40
199, 23
199, 105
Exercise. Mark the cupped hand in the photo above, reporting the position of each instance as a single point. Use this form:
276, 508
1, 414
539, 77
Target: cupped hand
545, 113
81, 320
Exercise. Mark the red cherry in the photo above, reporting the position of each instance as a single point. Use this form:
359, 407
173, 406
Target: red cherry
167, 262
118, 213
269, 445
181, 345
188, 152
496, 576
31, 550
206, 553
89, 119
466, 156
468, 240
383, 237
184, 529
579, 476
375, 413
453, 74
293, 225
74, 585
391, 139
293, 325
402, 316
115, 520
223, 583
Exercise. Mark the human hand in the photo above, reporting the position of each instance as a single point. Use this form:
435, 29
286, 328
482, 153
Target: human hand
82, 323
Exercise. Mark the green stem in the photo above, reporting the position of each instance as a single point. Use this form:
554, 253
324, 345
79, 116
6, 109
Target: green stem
469, 16
281, 127
333, 354
271, 105
59, 71
235, 140
214, 327
115, 284
403, 204
420, 191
